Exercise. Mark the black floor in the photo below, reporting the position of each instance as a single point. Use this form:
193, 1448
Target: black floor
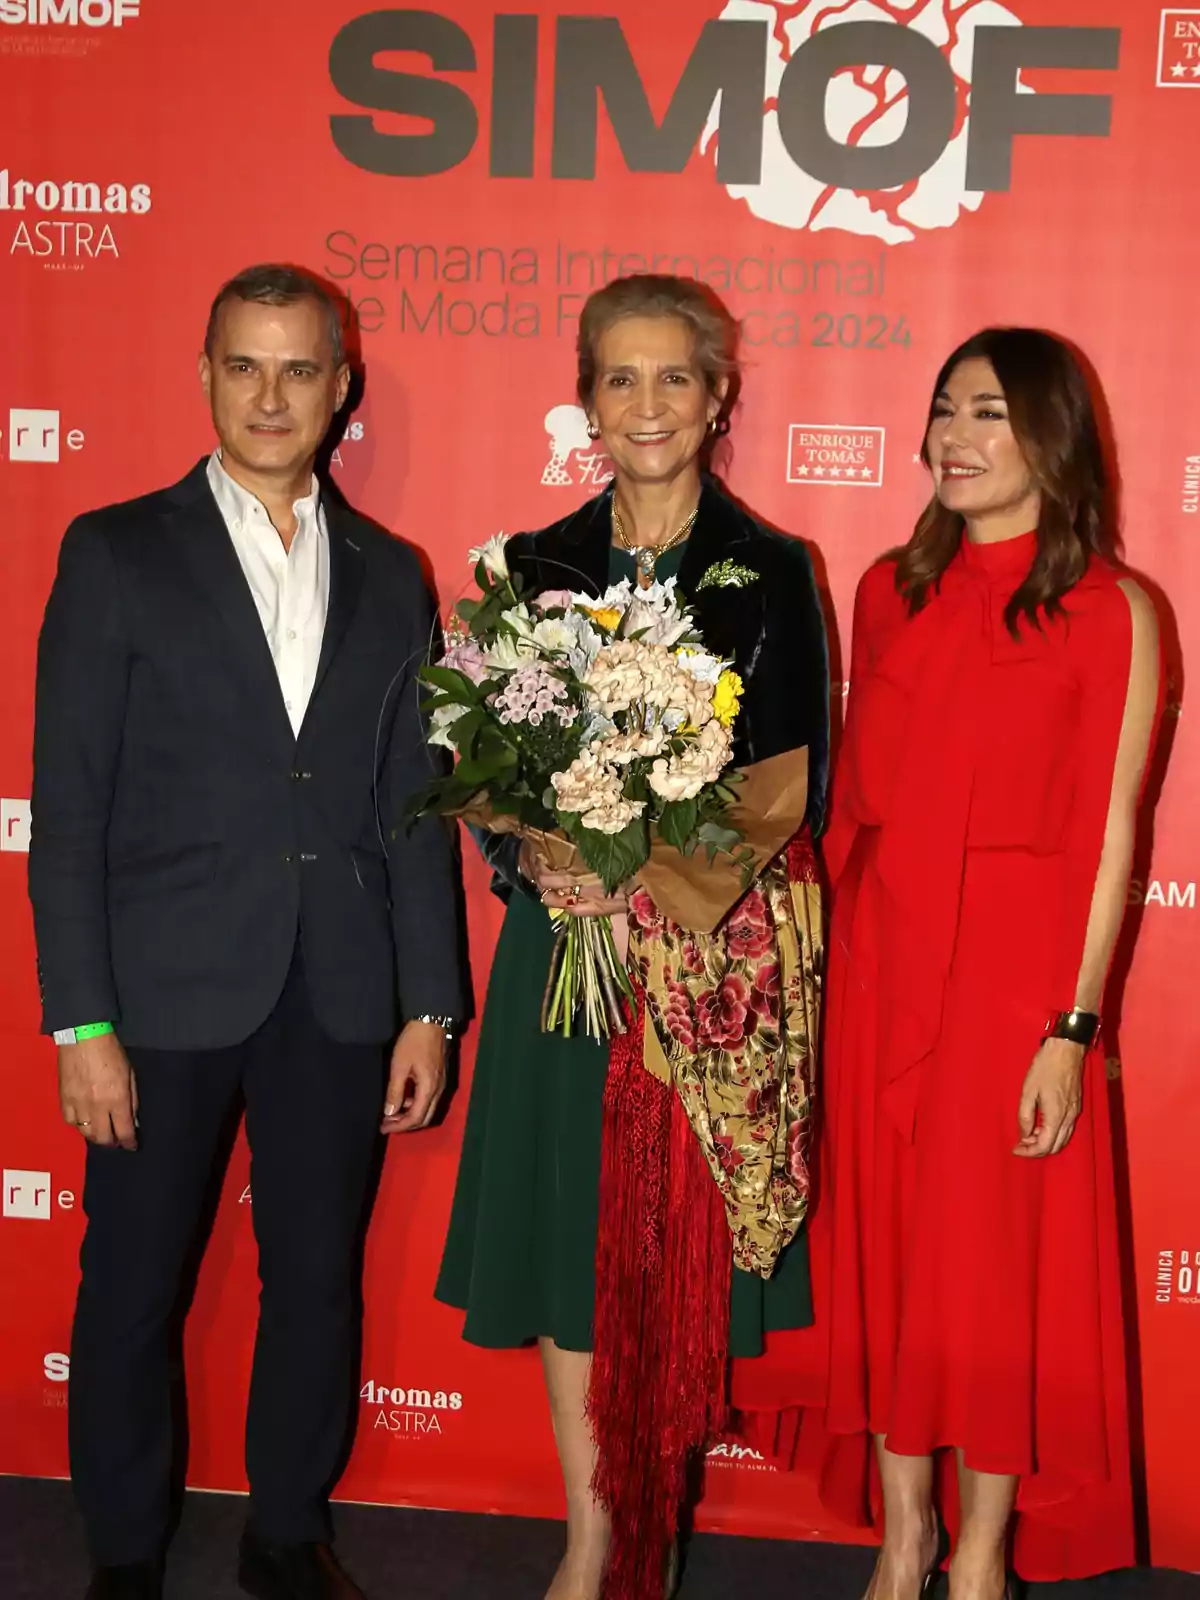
431, 1555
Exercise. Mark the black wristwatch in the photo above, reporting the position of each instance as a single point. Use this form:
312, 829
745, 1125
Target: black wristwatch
1078, 1027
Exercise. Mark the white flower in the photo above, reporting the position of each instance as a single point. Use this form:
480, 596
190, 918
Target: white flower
683, 776
571, 637
553, 635
592, 790
492, 556
441, 722
630, 673
507, 654
703, 667
652, 624
617, 594
612, 814
513, 646
623, 748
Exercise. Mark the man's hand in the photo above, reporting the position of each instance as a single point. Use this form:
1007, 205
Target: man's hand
1052, 1099
98, 1091
416, 1079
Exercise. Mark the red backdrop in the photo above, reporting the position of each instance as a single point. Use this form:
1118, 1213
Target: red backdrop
467, 208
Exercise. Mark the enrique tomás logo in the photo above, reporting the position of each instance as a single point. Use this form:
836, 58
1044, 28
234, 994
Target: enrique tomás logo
1179, 49
825, 453
409, 1413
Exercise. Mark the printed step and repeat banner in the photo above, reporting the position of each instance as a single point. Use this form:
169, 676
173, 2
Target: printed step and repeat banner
865, 182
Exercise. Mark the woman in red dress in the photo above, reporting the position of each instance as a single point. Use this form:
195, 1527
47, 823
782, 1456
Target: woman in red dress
1005, 680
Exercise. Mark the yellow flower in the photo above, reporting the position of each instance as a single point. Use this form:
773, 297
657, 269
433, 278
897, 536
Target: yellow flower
726, 696
606, 617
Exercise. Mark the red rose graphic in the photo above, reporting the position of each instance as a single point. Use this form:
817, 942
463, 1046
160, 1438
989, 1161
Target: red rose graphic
693, 961
721, 1013
750, 932
646, 914
797, 1148
729, 1158
679, 1016
763, 1102
765, 998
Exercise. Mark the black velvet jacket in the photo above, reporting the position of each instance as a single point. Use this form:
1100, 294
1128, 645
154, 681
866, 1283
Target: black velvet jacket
773, 629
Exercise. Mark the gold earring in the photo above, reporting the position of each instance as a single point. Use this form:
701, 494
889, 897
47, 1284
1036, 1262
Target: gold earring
593, 431
712, 424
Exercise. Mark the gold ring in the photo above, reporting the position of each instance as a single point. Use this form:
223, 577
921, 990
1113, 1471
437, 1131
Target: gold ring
576, 891
86, 1123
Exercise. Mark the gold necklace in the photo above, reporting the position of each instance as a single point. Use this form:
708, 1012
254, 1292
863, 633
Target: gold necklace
646, 555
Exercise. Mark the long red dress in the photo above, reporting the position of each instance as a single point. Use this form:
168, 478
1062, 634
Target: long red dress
973, 1297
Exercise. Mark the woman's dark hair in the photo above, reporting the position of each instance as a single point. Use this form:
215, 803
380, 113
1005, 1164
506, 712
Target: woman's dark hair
1053, 419
713, 328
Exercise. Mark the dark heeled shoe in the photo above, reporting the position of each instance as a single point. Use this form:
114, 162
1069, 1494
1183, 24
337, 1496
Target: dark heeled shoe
940, 1555
671, 1571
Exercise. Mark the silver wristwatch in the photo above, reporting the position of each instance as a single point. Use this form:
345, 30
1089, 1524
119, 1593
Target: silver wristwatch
446, 1024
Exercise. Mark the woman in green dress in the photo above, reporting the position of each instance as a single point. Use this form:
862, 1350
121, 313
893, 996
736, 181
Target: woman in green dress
658, 378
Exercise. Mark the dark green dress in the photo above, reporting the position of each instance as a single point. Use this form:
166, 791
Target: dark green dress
520, 1252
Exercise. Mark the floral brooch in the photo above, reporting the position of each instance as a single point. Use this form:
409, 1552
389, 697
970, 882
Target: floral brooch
727, 575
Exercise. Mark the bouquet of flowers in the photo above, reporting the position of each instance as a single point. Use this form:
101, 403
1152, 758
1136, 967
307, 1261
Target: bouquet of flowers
599, 726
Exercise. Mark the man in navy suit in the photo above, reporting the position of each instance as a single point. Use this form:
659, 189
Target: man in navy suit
228, 906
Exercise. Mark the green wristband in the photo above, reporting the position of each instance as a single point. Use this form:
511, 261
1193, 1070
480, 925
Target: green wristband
93, 1030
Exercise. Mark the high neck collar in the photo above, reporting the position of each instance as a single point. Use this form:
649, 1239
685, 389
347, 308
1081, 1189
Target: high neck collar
1001, 558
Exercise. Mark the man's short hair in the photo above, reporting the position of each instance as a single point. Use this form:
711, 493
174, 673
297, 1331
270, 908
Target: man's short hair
272, 285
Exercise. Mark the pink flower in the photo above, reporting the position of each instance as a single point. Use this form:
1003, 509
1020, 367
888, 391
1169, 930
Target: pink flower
467, 657
797, 1152
553, 600
646, 914
693, 961
729, 1158
721, 1013
679, 1016
749, 932
765, 998
763, 1102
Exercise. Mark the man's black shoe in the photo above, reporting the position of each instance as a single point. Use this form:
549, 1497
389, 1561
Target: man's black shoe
138, 1580
292, 1572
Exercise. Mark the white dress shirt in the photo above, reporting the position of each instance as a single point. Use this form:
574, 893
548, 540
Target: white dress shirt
290, 587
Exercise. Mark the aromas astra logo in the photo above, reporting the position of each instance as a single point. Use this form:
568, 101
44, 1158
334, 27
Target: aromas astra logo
887, 123
409, 1413
1177, 1278
576, 459
67, 222
828, 454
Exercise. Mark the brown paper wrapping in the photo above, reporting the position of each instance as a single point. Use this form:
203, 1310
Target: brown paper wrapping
697, 894
770, 806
